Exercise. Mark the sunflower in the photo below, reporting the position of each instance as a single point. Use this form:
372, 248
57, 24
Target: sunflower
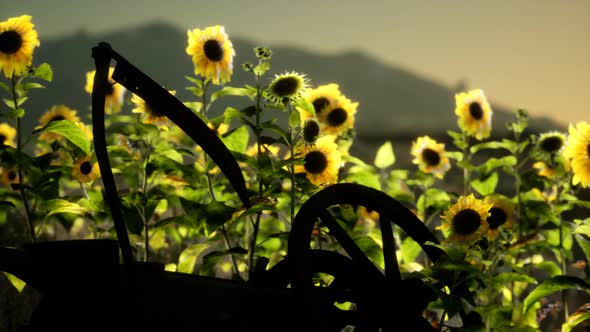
551, 143
321, 161
475, 113
578, 150
322, 98
114, 94
150, 115
287, 87
310, 131
554, 168
430, 156
212, 53
55, 113
85, 170
9, 176
7, 134
86, 130
500, 215
338, 118
18, 40
128, 146
252, 150
466, 219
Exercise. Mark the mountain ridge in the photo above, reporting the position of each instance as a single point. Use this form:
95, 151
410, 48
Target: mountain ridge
394, 103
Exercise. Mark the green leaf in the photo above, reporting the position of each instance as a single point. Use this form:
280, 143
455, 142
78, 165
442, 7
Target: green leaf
189, 256
486, 186
217, 213
553, 285
550, 267
4, 86
237, 140
228, 91
22, 88
584, 244
230, 113
56, 206
385, 156
71, 132
371, 249
458, 139
306, 105
7, 204
15, 281
580, 315
294, 119
505, 278
15, 113
504, 144
262, 68
195, 106
493, 163
583, 229
197, 81
44, 72
409, 249
364, 176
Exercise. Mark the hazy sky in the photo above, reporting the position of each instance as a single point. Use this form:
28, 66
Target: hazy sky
533, 54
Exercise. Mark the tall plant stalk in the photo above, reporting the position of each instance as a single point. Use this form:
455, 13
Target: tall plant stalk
19, 165
258, 133
204, 84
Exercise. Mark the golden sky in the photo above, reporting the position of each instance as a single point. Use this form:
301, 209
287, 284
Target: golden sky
532, 54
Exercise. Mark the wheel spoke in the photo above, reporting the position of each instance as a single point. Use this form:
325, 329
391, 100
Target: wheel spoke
356, 254
392, 272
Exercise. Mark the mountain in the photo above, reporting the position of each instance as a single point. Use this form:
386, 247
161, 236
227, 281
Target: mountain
394, 104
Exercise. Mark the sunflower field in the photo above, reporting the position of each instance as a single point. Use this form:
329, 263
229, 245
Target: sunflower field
515, 230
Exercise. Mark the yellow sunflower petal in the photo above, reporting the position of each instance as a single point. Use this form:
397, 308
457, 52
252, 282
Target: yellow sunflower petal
474, 113
212, 53
18, 40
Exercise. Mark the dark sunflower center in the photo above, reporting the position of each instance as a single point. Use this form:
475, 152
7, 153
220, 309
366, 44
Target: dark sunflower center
497, 217
588, 150
86, 168
286, 86
430, 157
10, 42
12, 175
315, 162
311, 130
466, 222
551, 144
57, 118
476, 111
320, 103
337, 117
2, 139
213, 50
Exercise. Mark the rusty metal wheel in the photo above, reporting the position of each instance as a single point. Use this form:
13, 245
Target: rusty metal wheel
384, 301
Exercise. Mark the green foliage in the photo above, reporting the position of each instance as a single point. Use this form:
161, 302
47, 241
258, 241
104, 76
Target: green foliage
181, 210
69, 131
580, 315
553, 285
385, 156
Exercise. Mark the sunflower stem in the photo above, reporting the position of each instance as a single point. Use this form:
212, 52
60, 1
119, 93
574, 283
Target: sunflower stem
562, 259
226, 241
19, 166
467, 164
562, 255
292, 165
258, 133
